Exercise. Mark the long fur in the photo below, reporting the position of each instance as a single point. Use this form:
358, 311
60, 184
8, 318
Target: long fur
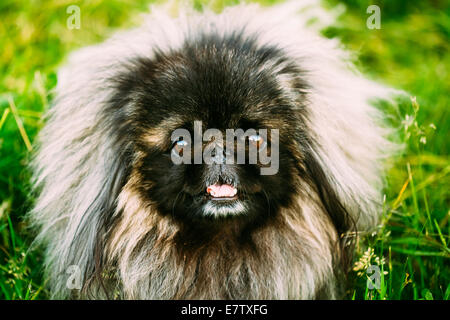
89, 214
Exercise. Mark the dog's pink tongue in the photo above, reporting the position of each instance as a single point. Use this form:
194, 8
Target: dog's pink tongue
221, 190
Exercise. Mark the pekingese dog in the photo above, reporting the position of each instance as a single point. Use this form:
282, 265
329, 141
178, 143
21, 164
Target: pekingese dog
142, 197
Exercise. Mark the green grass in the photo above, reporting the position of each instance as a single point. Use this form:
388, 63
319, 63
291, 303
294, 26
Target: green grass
410, 52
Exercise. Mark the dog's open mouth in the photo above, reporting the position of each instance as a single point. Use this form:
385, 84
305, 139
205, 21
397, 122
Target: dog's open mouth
223, 200
222, 192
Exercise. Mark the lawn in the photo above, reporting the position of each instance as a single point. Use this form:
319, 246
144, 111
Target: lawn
411, 51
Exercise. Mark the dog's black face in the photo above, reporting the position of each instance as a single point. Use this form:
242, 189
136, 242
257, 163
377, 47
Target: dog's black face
220, 84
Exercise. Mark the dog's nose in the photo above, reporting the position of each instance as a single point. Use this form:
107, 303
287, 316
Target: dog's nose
218, 172
220, 155
221, 174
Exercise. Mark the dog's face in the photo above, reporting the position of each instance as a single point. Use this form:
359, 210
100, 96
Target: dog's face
215, 84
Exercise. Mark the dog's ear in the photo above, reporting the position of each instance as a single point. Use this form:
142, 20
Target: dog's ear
338, 213
94, 222
78, 191
103, 209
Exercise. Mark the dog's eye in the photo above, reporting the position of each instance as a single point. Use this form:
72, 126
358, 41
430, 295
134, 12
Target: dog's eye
179, 146
258, 141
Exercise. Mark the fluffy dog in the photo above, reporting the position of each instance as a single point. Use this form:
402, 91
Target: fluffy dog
136, 225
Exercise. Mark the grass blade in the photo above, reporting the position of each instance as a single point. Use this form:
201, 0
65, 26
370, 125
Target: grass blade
19, 123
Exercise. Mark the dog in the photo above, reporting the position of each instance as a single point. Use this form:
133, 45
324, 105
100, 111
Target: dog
126, 192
